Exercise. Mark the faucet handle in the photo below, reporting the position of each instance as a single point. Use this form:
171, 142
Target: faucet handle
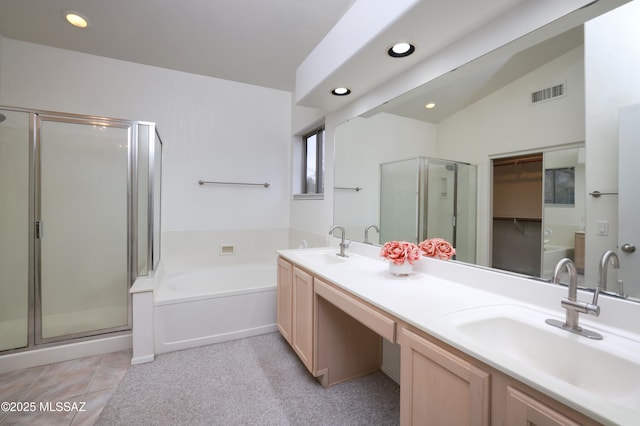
592, 309
582, 307
596, 293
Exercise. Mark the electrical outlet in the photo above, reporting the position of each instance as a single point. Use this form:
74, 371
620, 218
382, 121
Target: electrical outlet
226, 250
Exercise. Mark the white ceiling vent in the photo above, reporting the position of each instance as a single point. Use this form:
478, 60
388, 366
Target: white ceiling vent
548, 94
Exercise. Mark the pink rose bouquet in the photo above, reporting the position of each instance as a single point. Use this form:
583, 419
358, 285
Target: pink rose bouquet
437, 247
400, 251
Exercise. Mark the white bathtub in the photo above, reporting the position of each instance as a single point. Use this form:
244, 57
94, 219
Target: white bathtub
552, 254
213, 304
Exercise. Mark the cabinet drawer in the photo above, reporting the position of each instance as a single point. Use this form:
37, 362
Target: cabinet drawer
376, 321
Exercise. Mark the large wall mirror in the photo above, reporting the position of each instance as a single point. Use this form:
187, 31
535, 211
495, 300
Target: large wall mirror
537, 117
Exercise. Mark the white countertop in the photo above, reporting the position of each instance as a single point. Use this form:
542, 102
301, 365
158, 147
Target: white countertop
438, 288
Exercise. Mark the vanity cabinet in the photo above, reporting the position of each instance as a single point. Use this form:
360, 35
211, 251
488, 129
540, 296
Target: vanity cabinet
438, 387
284, 312
514, 403
336, 336
295, 310
347, 335
523, 410
302, 341
579, 252
441, 385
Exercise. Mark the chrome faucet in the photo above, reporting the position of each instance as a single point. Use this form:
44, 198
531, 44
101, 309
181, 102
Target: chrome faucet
607, 256
571, 303
342, 244
366, 233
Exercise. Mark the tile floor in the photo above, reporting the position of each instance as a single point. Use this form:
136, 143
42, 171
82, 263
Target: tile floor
66, 393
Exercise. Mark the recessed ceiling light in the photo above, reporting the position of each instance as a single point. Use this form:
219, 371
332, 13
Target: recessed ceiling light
430, 105
76, 19
340, 91
400, 50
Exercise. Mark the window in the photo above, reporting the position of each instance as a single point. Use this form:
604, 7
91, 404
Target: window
313, 162
559, 186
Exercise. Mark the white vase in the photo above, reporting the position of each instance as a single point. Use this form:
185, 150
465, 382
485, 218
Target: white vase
401, 270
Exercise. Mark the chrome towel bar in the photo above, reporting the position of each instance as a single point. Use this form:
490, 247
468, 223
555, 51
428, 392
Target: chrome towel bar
598, 193
357, 188
202, 182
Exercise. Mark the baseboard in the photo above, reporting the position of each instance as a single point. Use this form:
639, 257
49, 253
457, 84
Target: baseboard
142, 359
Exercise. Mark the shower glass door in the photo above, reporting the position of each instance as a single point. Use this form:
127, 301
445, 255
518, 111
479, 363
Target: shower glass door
81, 214
466, 213
14, 229
399, 200
451, 205
440, 201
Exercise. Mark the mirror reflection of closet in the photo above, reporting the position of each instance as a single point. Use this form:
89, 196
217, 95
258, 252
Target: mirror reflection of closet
517, 213
538, 211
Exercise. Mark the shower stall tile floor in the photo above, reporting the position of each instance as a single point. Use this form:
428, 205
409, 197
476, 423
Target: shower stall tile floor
66, 393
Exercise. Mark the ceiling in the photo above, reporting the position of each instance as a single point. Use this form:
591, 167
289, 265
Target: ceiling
468, 84
431, 25
250, 41
257, 42
456, 90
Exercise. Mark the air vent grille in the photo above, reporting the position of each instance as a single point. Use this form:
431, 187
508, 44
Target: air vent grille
548, 93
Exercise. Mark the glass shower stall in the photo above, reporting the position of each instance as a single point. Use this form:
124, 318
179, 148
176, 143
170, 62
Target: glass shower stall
424, 198
79, 221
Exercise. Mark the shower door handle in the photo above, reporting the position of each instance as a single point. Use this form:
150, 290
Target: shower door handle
39, 230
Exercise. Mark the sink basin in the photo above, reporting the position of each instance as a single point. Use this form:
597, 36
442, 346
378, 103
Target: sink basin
321, 257
519, 337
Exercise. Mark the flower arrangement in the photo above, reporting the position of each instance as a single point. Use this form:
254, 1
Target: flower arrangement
400, 251
437, 247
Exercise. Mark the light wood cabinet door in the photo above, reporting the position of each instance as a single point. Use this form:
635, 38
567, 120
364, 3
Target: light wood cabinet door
285, 299
303, 316
438, 387
524, 410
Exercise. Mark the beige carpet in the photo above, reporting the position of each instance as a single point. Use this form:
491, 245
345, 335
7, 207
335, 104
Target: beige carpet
253, 381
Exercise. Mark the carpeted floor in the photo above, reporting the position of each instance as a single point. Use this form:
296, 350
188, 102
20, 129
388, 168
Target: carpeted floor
253, 381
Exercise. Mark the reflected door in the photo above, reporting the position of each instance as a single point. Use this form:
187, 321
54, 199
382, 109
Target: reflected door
82, 276
628, 202
440, 206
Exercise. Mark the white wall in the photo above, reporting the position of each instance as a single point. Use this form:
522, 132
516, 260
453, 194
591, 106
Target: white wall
212, 129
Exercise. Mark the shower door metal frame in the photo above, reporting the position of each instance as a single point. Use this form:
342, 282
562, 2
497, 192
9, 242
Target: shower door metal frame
422, 215
37, 118
33, 284
422, 194
155, 177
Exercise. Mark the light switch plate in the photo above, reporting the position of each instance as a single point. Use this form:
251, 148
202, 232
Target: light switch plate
603, 227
